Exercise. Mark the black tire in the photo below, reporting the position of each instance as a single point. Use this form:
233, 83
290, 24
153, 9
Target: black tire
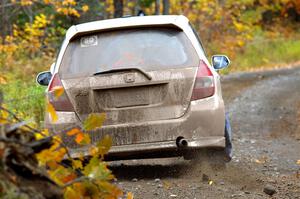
228, 139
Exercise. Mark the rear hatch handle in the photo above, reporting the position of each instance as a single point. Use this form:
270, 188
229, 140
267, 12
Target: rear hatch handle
125, 69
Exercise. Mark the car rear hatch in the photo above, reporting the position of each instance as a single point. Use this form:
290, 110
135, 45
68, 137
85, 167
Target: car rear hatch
133, 75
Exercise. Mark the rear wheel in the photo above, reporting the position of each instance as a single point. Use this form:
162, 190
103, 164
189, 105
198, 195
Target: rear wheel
214, 157
228, 139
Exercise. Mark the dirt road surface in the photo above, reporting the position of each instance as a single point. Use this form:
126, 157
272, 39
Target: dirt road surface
264, 109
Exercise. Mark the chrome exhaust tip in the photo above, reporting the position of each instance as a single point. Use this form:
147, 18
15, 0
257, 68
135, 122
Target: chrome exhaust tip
181, 142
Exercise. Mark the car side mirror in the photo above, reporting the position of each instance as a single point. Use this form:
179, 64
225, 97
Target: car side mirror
220, 61
43, 78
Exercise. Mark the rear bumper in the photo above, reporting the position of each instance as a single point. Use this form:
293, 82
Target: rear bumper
158, 149
213, 142
202, 126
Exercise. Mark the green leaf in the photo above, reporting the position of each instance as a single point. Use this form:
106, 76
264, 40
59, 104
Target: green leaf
94, 120
104, 145
96, 169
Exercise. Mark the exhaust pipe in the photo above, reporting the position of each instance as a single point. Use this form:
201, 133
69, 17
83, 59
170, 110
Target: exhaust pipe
181, 142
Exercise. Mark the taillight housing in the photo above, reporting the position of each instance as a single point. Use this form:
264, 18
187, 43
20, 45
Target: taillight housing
204, 84
62, 102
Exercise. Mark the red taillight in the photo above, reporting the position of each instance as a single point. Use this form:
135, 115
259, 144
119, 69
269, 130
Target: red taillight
204, 84
60, 103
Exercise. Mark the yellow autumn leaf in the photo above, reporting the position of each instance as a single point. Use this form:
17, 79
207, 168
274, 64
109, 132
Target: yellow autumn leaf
261, 160
166, 184
26, 2
94, 120
3, 80
70, 193
3, 121
86, 139
52, 165
59, 154
4, 116
52, 112
238, 26
73, 131
93, 150
58, 91
129, 195
43, 156
38, 136
77, 164
58, 174
85, 8
69, 177
79, 137
241, 43
298, 162
42, 134
45, 132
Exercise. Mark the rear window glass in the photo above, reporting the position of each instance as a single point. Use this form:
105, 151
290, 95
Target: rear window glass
148, 49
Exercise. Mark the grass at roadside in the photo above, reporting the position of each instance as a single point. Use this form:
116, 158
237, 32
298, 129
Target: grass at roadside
22, 95
265, 53
26, 99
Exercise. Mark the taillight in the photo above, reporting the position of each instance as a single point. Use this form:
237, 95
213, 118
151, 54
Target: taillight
204, 84
62, 102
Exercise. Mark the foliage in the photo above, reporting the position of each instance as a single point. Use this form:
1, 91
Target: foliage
89, 179
80, 180
80, 177
18, 165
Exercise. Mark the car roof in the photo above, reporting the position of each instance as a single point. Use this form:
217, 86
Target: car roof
178, 21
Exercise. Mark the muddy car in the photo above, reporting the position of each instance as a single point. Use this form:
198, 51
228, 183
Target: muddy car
151, 77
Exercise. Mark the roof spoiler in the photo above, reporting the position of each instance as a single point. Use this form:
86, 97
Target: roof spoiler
170, 25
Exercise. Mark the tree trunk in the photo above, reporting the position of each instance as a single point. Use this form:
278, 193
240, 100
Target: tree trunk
166, 7
118, 5
157, 7
1, 98
3, 21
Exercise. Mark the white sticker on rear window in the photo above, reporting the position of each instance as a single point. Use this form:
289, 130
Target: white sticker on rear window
88, 41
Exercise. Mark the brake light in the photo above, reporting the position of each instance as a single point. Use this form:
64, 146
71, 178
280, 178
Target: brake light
61, 103
204, 84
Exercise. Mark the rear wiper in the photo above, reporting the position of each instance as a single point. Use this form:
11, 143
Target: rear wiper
124, 69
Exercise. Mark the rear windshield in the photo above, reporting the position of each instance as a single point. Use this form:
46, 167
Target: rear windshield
148, 49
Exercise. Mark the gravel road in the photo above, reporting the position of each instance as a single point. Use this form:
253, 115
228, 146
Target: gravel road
264, 108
